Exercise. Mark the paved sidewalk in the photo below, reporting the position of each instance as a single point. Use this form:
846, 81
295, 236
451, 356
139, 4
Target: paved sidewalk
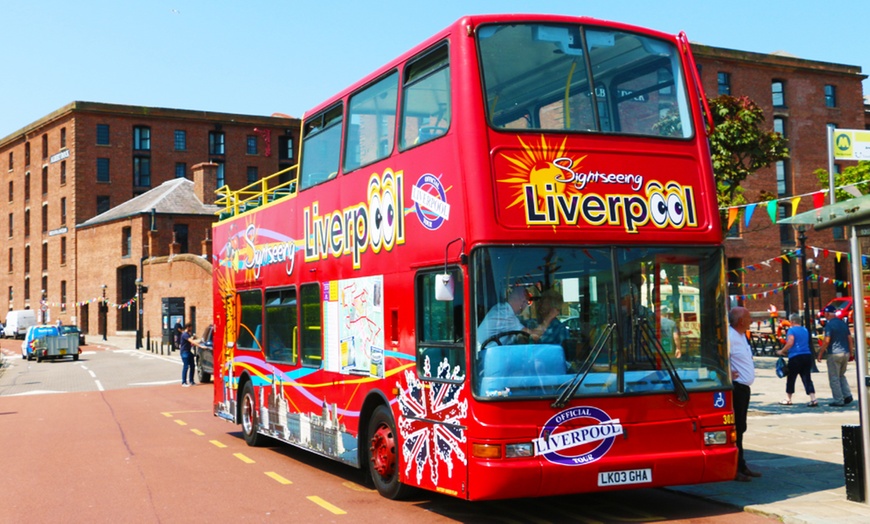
798, 450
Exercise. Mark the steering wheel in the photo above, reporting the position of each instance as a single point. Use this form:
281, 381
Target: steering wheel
498, 336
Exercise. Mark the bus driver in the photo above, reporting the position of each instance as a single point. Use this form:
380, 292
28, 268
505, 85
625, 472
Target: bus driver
503, 318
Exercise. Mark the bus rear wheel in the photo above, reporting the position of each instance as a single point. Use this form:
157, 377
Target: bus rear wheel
383, 455
249, 417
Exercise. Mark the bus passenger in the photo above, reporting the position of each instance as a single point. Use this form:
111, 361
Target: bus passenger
502, 318
549, 307
670, 334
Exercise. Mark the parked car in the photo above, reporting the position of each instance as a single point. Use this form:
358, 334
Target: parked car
844, 310
205, 356
33, 334
70, 330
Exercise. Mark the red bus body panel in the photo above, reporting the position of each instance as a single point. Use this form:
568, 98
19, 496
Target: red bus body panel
491, 186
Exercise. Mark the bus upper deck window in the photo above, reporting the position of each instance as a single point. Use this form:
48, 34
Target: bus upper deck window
321, 147
426, 98
372, 123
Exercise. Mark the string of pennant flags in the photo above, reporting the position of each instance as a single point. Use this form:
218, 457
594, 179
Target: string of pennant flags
748, 210
99, 300
788, 256
768, 289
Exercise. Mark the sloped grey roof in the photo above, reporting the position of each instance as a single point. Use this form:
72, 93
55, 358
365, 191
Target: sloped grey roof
173, 197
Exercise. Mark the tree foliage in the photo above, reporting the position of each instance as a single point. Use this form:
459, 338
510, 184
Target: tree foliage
852, 176
740, 146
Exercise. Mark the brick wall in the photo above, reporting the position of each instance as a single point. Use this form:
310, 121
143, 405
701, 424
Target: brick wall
805, 116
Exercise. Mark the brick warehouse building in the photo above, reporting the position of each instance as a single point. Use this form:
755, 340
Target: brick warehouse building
86, 158
800, 98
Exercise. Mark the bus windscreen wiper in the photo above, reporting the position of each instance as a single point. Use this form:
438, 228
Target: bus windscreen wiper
647, 340
571, 386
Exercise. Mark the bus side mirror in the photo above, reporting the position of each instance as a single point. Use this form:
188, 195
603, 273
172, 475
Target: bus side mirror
444, 288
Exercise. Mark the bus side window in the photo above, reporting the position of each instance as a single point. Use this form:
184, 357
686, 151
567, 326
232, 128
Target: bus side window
426, 101
372, 123
281, 325
311, 342
440, 330
251, 304
321, 147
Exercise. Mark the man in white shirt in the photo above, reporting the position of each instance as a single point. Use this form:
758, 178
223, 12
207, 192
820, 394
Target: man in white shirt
503, 318
742, 375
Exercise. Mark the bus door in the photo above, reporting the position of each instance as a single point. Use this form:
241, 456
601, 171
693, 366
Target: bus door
433, 412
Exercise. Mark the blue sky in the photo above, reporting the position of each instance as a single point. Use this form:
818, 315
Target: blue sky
268, 56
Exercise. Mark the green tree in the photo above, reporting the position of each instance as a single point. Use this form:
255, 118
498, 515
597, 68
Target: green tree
852, 176
740, 146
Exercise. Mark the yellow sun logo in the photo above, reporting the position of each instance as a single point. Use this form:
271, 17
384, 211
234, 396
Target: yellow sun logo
538, 166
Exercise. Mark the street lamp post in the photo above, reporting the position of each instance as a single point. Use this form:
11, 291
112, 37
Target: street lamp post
42, 308
808, 272
802, 240
105, 310
140, 307
815, 291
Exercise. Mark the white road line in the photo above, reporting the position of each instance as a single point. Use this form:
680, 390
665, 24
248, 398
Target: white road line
99, 386
35, 392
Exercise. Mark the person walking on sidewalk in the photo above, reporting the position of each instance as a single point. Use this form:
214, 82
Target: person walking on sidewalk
800, 360
743, 375
839, 346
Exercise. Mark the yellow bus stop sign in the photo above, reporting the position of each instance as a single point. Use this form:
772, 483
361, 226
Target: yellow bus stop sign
851, 144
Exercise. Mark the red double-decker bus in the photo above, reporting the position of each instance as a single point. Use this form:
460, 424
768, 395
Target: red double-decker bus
496, 270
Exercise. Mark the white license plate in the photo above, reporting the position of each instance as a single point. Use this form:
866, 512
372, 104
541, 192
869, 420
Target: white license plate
628, 476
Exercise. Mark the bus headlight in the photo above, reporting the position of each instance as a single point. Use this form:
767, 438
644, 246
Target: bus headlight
523, 449
715, 437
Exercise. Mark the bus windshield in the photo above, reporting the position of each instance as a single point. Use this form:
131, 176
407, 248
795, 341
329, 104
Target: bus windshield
616, 319
568, 77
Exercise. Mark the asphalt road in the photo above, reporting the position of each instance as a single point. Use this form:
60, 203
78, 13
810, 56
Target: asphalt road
114, 438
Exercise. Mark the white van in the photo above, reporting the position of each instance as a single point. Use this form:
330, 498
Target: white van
17, 323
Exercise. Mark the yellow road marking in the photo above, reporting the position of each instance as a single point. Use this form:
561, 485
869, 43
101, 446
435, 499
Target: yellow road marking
243, 458
218, 443
197, 432
356, 487
180, 422
277, 477
170, 414
327, 506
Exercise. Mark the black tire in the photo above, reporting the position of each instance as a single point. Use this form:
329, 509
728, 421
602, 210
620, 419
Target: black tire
249, 416
383, 455
38, 357
75, 357
201, 376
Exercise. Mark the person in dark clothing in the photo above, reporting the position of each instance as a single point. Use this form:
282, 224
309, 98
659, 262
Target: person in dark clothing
185, 345
176, 336
840, 348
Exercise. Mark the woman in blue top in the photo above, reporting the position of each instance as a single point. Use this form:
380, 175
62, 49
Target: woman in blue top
800, 360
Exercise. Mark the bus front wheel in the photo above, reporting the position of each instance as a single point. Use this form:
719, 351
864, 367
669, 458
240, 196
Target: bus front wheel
249, 417
383, 454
